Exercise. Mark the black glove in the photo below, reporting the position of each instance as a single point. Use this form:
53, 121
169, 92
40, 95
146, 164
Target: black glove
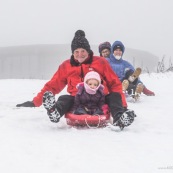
26, 104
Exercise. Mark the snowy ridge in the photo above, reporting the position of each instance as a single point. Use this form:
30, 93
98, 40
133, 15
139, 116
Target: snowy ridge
31, 143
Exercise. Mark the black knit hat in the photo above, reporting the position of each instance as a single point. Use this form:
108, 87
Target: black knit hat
79, 41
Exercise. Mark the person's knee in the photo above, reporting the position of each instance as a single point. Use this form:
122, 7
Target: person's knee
66, 98
64, 103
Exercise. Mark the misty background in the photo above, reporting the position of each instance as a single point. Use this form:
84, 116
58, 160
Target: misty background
35, 35
41, 61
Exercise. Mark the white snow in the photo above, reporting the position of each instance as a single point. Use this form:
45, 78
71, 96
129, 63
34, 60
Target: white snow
29, 142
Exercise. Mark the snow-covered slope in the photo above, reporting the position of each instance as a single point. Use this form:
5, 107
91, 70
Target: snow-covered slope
29, 142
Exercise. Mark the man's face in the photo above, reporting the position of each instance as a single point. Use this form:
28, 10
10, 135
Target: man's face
118, 52
105, 53
80, 55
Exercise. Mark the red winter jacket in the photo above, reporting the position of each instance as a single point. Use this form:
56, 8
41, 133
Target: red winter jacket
71, 74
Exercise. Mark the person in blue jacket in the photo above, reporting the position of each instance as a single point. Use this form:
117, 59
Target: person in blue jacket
124, 70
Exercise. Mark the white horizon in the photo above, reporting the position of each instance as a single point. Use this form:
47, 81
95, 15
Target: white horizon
143, 25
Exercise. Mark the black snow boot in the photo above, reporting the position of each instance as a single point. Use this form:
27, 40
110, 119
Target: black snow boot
124, 119
50, 105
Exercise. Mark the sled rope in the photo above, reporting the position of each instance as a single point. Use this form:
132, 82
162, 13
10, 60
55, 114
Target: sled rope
91, 126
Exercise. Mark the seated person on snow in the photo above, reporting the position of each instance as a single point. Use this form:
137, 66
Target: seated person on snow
125, 71
71, 72
90, 97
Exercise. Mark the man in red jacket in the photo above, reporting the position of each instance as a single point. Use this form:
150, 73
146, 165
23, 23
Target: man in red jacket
70, 73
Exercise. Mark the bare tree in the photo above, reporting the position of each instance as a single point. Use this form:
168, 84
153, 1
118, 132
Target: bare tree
170, 68
161, 66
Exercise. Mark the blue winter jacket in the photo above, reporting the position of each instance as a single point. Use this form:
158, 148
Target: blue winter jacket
120, 67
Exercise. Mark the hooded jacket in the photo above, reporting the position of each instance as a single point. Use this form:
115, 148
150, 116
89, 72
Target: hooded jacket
120, 67
71, 73
89, 102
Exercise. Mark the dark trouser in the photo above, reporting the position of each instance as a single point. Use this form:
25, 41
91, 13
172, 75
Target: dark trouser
132, 85
131, 88
114, 102
64, 104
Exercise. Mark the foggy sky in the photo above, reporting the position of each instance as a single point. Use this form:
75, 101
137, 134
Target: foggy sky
140, 24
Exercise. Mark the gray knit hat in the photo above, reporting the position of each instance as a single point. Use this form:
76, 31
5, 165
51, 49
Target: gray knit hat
104, 45
79, 41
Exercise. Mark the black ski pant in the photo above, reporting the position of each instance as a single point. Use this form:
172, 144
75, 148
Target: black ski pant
132, 85
64, 104
114, 101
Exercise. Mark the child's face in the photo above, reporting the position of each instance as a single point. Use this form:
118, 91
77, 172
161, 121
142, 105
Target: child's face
92, 83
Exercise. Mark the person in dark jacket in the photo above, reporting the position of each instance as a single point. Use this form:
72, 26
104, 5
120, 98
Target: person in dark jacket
70, 73
90, 97
105, 49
